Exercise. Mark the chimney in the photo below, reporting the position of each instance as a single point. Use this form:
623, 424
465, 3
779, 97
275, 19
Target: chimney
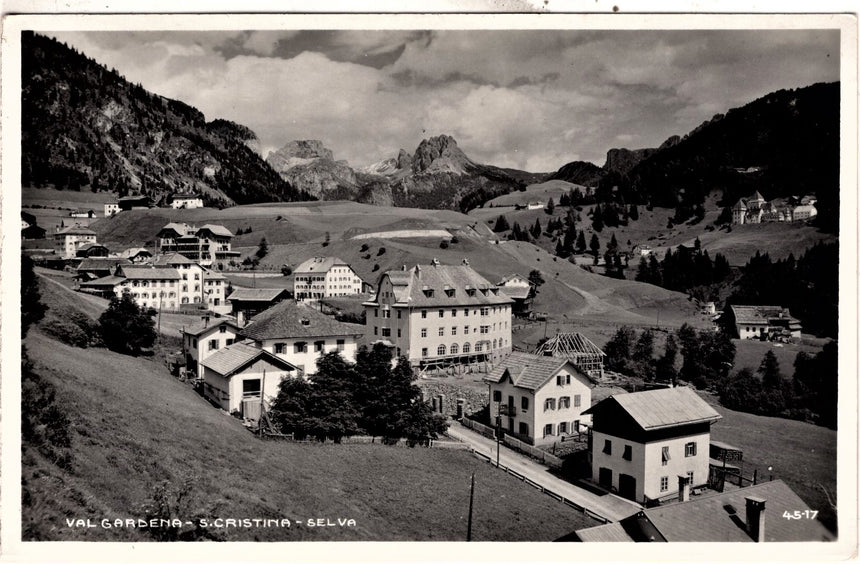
683, 488
403, 268
205, 321
755, 518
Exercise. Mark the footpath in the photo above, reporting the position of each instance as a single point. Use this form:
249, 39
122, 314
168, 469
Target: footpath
606, 507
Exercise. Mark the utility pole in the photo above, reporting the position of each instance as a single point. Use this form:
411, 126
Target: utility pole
471, 503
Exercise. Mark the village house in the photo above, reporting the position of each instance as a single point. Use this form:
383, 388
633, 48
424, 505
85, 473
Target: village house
245, 303
301, 335
763, 322
215, 287
577, 348
201, 340
751, 514
239, 377
325, 277
97, 267
520, 290
67, 240
29, 228
186, 201
756, 209
27, 220
92, 250
127, 203
151, 287
539, 399
90, 214
208, 245
641, 443
440, 315
191, 278
135, 255
111, 209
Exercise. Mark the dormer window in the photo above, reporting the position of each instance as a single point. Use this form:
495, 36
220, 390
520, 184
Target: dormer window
428, 292
450, 292
305, 321
470, 292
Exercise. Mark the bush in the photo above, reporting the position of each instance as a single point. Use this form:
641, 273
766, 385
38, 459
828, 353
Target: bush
75, 329
381, 251
286, 270
363, 248
443, 244
126, 327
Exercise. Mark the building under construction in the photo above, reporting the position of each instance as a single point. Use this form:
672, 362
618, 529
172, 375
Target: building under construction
575, 346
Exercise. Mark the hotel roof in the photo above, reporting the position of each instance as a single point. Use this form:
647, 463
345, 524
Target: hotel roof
438, 285
289, 319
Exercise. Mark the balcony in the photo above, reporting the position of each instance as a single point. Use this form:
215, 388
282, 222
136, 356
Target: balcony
509, 410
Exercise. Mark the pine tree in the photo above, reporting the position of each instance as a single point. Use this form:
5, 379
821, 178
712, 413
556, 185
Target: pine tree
536, 228
501, 224
580, 242
550, 206
594, 245
771, 377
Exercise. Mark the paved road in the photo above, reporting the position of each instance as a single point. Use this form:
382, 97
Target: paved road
608, 506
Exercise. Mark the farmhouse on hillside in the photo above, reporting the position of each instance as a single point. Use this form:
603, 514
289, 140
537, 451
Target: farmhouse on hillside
520, 290
240, 377
82, 213
135, 255
751, 514
301, 335
440, 315
185, 201
539, 399
111, 209
647, 445
127, 203
763, 322
578, 349
245, 303
94, 268
325, 277
201, 340
89, 250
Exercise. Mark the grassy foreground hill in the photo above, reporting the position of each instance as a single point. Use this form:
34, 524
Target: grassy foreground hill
135, 429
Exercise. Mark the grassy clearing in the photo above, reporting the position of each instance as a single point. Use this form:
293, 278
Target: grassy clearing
134, 426
801, 454
750, 353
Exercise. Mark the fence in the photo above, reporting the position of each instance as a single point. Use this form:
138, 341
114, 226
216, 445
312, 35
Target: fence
516, 444
547, 491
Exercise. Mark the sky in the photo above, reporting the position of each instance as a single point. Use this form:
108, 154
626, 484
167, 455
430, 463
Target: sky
527, 99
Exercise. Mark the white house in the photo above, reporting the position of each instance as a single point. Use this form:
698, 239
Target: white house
203, 339
644, 445
186, 201
324, 277
240, 377
301, 334
111, 208
540, 399
67, 240
763, 322
190, 274
440, 315
157, 288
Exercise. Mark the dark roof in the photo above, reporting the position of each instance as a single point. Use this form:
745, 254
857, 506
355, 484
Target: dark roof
285, 320
761, 315
412, 288
100, 263
528, 371
104, 281
149, 273
200, 328
662, 408
180, 228
233, 358
256, 294
173, 258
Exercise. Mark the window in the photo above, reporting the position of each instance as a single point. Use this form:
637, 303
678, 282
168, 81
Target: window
524, 428
690, 478
454, 330
564, 402
441, 313
577, 400
524, 404
195, 343
562, 427
607, 447
423, 331
441, 331
399, 333
664, 483
485, 329
319, 346
251, 388
376, 330
628, 453
424, 351
453, 313
455, 348
229, 342
213, 344
690, 449
423, 314
300, 347
549, 404
497, 396
466, 347
465, 329
665, 456
341, 345
547, 430
376, 313
466, 312
479, 346
386, 331
576, 425
440, 350
280, 348
485, 311
399, 314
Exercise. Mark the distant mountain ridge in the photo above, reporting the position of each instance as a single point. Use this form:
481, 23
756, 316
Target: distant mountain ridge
86, 126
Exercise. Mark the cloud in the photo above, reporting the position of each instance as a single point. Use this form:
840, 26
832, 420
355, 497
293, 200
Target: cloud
533, 100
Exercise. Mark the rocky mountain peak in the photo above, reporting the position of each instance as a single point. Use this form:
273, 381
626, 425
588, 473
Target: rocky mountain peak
440, 154
404, 159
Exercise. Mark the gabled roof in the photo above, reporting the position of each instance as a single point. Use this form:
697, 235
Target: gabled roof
528, 371
216, 230
75, 230
289, 319
133, 252
720, 517
512, 276
180, 228
425, 286
173, 258
319, 264
148, 273
662, 408
760, 315
210, 274
199, 328
111, 281
233, 358
516, 292
100, 263
256, 294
